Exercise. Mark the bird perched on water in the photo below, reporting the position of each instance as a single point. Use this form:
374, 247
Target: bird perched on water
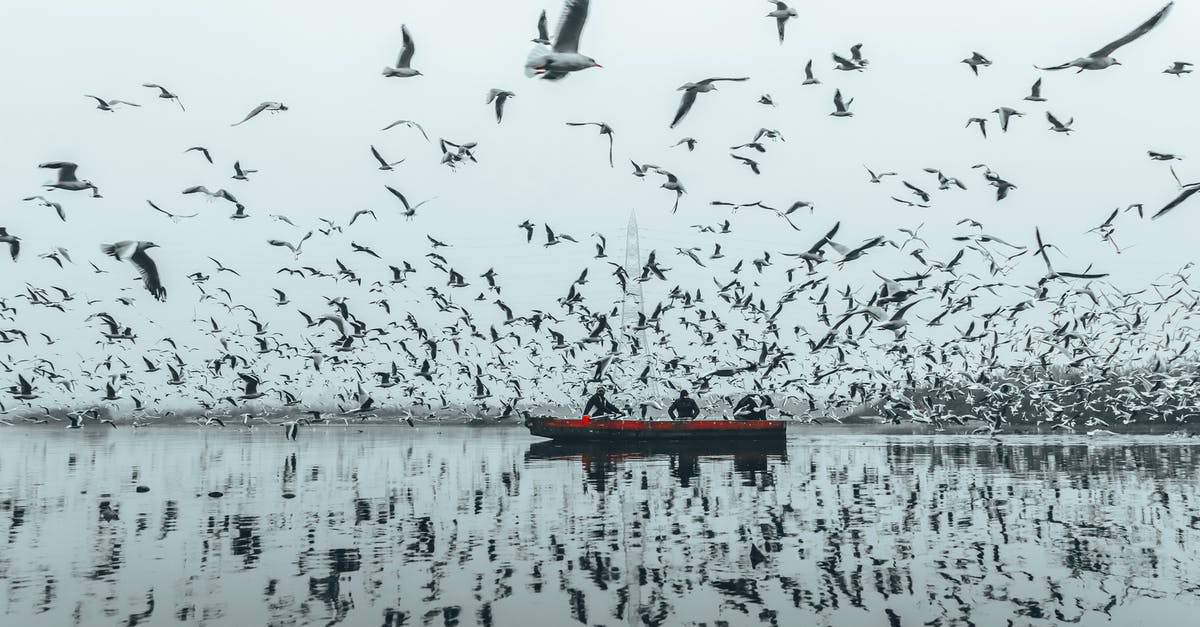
975, 61
403, 67
1103, 58
782, 14
563, 57
265, 106
499, 96
66, 178
14, 242
689, 94
604, 130
135, 252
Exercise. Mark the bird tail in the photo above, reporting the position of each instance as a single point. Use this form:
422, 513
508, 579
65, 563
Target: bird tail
535, 60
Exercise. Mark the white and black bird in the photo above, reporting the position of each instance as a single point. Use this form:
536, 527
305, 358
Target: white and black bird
1035, 92
14, 242
1102, 58
975, 61
384, 164
1006, 114
1057, 126
543, 36
781, 14
1179, 68
689, 94
605, 129
165, 94
66, 178
273, 107
563, 56
841, 109
809, 79
135, 252
499, 97
110, 105
403, 67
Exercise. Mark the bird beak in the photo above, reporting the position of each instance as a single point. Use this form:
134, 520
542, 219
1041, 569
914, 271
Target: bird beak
594, 64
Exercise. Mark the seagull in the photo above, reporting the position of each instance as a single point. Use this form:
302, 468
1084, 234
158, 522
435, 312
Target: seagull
1006, 113
174, 217
604, 130
982, 125
408, 123
108, 105
1059, 127
749, 162
840, 108
14, 242
782, 14
1156, 156
240, 174
135, 253
295, 248
690, 142
563, 57
674, 185
202, 150
809, 79
163, 92
383, 163
66, 178
1103, 58
878, 178
976, 60
689, 94
499, 96
403, 67
543, 34
409, 210
266, 106
1035, 92
1179, 68
844, 64
57, 207
1189, 190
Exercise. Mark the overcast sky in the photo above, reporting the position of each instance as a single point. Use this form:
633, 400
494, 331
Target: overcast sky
324, 62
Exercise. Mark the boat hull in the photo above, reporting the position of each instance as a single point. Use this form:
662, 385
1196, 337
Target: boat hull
655, 430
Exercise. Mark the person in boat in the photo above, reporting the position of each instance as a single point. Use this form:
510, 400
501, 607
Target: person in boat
683, 408
753, 407
599, 406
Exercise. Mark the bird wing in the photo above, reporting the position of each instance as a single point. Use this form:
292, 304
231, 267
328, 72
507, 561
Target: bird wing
543, 31
1187, 193
1053, 120
397, 194
570, 26
257, 110
837, 101
378, 157
66, 169
1146, 27
406, 53
149, 272
685, 105
840, 60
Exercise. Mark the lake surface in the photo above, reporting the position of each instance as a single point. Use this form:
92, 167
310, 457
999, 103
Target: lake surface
469, 526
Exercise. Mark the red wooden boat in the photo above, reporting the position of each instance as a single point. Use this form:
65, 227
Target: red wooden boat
586, 428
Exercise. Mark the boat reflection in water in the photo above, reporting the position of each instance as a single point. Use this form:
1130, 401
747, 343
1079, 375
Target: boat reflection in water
601, 460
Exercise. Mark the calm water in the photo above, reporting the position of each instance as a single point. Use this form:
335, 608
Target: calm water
461, 526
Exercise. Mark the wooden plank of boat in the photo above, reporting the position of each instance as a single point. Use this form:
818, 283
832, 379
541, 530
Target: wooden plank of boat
588, 429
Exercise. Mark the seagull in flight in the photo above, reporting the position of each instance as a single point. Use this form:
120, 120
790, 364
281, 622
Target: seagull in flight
403, 67
499, 96
165, 93
782, 14
563, 57
975, 61
1102, 58
66, 178
174, 217
689, 94
110, 105
266, 106
135, 252
604, 130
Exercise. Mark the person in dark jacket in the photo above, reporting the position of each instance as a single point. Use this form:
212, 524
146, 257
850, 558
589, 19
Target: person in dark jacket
600, 405
683, 407
753, 407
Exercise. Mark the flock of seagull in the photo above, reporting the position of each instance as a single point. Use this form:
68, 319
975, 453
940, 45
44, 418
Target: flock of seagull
1071, 350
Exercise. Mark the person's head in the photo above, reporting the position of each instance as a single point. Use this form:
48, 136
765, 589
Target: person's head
683, 393
600, 390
